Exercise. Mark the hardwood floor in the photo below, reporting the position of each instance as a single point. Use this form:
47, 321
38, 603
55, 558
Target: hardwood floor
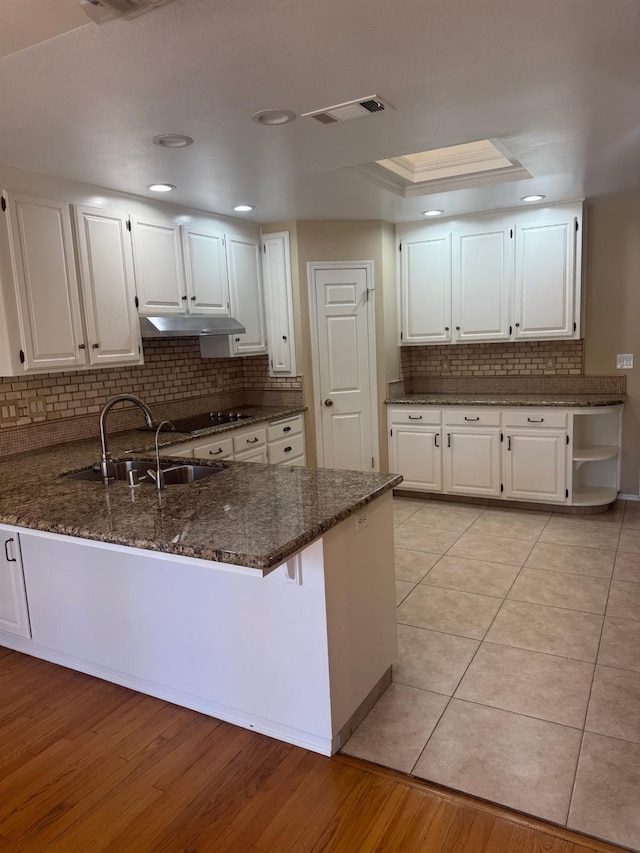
87, 766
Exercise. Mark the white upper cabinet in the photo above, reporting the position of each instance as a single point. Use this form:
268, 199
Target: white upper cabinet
494, 277
46, 287
547, 275
482, 281
245, 294
205, 268
426, 289
276, 277
157, 256
108, 286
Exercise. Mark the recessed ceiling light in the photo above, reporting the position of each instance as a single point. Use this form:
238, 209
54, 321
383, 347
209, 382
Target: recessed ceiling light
172, 140
273, 117
532, 197
244, 208
432, 212
160, 188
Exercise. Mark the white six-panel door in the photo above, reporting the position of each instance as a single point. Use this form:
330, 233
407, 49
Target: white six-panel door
46, 285
108, 285
343, 367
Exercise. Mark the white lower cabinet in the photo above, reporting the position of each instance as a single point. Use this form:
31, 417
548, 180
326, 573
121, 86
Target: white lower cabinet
472, 461
279, 442
535, 465
14, 613
549, 455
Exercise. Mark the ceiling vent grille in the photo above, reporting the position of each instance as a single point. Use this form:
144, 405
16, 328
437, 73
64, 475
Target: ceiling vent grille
349, 110
102, 11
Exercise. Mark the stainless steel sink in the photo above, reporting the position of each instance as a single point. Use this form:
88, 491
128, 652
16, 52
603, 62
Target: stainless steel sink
173, 474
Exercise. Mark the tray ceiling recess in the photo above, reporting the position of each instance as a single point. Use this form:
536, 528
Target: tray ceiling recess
442, 169
361, 107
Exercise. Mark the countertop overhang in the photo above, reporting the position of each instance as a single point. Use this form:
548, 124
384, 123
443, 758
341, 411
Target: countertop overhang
569, 401
248, 514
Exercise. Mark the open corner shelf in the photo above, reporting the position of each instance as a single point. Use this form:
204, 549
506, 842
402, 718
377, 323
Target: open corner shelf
595, 453
594, 495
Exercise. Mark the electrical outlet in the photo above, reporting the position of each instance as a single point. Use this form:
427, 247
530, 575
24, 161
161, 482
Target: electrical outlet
550, 362
362, 521
37, 407
624, 360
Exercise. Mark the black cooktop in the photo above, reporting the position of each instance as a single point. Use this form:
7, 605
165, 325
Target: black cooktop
196, 424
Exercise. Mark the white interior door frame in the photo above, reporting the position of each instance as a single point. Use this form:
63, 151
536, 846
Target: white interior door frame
312, 266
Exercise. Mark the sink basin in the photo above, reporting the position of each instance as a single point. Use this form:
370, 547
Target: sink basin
173, 474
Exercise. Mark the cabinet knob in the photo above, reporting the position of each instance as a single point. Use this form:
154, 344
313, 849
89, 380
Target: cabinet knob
284, 337
517, 325
457, 328
237, 340
82, 346
95, 346
446, 328
184, 298
328, 402
193, 298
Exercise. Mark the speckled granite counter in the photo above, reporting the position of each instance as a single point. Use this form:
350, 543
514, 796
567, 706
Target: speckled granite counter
248, 514
569, 401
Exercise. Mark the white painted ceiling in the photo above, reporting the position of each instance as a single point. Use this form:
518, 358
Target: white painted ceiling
556, 81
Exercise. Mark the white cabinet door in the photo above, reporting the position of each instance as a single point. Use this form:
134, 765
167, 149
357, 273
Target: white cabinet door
535, 465
276, 277
482, 281
426, 289
43, 262
205, 271
108, 286
157, 257
14, 615
245, 294
416, 453
472, 460
546, 303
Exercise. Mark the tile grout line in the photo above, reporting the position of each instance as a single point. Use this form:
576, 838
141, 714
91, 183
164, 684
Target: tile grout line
474, 654
593, 678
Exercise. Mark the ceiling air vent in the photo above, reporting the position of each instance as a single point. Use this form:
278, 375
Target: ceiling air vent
102, 11
349, 110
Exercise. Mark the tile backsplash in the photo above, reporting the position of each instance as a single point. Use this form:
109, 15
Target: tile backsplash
174, 380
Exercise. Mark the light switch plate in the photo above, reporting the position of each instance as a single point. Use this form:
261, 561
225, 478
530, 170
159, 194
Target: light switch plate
624, 360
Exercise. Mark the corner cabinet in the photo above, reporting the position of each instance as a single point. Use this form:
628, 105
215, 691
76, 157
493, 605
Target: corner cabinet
500, 277
245, 294
551, 455
276, 278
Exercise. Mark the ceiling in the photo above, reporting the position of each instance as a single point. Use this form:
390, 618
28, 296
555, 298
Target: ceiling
556, 83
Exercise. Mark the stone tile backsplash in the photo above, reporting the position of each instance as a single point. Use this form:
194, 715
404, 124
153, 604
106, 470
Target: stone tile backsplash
174, 380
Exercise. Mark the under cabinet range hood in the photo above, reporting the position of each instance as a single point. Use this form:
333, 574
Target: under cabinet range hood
189, 326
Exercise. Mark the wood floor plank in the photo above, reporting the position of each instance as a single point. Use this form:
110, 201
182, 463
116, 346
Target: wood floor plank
469, 832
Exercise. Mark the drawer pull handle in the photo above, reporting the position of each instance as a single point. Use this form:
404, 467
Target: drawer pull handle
215, 452
435, 440
536, 420
253, 440
288, 449
286, 429
448, 439
471, 419
415, 417
508, 442
10, 559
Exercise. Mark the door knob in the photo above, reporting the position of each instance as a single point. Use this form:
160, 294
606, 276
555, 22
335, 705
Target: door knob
328, 402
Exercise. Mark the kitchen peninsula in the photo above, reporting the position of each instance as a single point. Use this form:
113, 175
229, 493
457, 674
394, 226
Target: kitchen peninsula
262, 595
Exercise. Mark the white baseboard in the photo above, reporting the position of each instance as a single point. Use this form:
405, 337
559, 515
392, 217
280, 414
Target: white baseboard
622, 497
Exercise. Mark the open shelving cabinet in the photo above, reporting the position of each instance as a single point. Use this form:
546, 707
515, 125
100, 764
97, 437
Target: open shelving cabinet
595, 460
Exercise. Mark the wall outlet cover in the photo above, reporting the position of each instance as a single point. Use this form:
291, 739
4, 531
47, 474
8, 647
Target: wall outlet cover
624, 360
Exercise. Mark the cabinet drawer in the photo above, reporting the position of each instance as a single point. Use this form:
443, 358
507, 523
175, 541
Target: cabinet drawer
250, 439
415, 415
220, 449
284, 428
285, 449
545, 418
468, 417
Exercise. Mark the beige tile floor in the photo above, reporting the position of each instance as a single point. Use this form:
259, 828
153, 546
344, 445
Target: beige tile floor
518, 676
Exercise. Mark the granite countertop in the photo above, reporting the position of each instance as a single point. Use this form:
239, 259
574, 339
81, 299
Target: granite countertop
569, 401
248, 514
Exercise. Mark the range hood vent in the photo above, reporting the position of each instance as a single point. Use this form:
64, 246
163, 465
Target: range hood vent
349, 110
102, 11
189, 326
